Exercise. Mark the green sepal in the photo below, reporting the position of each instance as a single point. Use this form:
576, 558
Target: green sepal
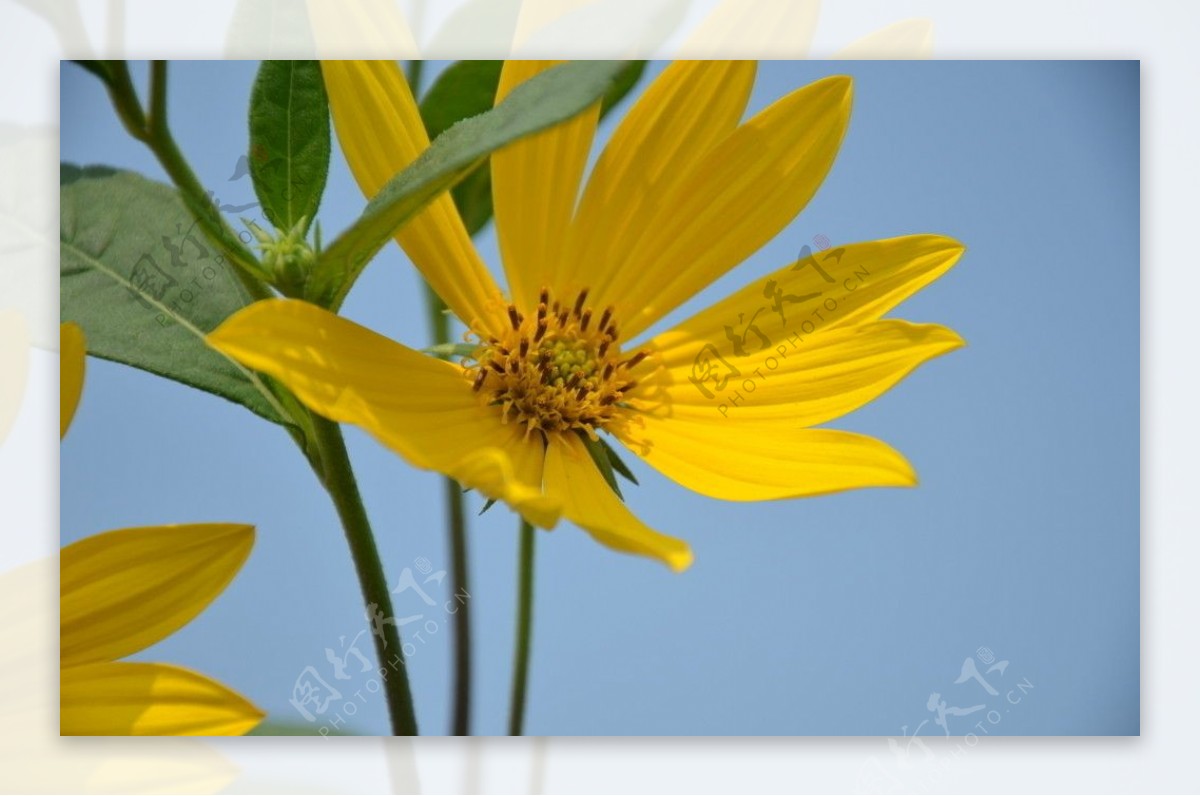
599, 454
618, 464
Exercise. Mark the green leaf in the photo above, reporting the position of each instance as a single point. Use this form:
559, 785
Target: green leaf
596, 448
624, 83
463, 90
289, 140
138, 275
553, 96
468, 88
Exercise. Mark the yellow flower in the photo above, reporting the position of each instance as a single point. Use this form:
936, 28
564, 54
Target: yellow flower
122, 591
723, 403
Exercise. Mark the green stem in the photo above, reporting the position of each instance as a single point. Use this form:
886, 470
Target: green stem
439, 328
516, 716
342, 487
152, 129
330, 460
462, 621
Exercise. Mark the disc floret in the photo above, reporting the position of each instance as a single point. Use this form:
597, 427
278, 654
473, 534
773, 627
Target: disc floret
558, 369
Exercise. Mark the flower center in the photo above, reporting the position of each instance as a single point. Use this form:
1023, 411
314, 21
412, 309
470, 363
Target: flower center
556, 370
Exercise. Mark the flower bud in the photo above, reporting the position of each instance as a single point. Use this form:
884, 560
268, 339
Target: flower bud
287, 256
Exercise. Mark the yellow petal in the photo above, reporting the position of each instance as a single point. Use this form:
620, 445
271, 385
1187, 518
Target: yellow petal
685, 112
149, 699
535, 183
420, 407
764, 461
124, 590
738, 197
381, 133
803, 383
72, 356
840, 287
589, 502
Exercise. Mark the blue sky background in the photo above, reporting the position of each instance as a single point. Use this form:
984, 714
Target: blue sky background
832, 616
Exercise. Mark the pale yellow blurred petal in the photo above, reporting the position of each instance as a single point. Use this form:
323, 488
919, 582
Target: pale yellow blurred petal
72, 348
589, 502
270, 29
420, 407
121, 591
149, 699
381, 133
907, 39
29, 228
537, 15
535, 184
14, 367
363, 28
597, 28
777, 29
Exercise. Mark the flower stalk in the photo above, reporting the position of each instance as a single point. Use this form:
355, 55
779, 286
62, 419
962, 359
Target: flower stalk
343, 489
330, 460
520, 682
151, 128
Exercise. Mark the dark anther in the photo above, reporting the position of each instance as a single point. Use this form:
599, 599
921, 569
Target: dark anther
514, 317
635, 360
479, 380
604, 318
579, 301
541, 329
524, 347
583, 321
